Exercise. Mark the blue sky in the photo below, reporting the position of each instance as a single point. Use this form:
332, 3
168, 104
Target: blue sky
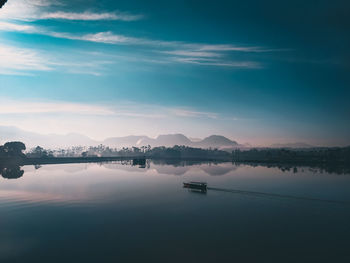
255, 71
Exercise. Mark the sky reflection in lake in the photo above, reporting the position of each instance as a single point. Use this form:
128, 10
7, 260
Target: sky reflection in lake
114, 211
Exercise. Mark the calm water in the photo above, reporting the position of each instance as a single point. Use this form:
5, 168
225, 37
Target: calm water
116, 212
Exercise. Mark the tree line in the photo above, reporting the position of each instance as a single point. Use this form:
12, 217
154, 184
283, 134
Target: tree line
12, 150
284, 155
15, 151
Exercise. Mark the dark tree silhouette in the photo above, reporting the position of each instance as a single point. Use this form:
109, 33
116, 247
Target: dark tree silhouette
2, 2
11, 172
39, 152
13, 150
2, 151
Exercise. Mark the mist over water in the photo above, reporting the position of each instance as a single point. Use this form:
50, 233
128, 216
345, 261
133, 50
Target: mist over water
133, 213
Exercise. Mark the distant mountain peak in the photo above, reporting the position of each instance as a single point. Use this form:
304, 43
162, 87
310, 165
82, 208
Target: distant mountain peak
32, 139
172, 139
219, 140
174, 135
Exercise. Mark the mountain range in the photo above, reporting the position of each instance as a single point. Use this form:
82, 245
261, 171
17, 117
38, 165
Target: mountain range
169, 140
54, 141
31, 139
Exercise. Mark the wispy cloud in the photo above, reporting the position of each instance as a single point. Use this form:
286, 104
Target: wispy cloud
28, 61
102, 37
233, 48
20, 60
16, 14
25, 10
90, 16
192, 53
220, 63
131, 109
187, 49
108, 37
193, 113
13, 27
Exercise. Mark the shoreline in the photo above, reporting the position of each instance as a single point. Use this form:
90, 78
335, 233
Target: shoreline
62, 160
338, 167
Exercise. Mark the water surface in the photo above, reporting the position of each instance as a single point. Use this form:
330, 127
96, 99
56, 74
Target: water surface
116, 212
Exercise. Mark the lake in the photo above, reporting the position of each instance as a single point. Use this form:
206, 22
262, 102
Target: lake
119, 212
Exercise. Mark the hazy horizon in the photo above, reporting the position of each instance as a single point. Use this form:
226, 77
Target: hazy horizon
33, 139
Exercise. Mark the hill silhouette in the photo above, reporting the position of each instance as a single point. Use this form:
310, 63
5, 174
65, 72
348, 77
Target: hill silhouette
32, 139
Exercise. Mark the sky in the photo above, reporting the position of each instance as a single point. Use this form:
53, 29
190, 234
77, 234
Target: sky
258, 72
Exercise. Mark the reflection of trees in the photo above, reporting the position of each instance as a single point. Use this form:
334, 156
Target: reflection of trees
331, 168
11, 155
141, 163
329, 156
180, 167
217, 168
11, 172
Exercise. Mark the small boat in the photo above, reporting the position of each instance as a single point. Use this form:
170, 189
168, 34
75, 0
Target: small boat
196, 185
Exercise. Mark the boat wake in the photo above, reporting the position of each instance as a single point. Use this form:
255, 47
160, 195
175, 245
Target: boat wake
262, 194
